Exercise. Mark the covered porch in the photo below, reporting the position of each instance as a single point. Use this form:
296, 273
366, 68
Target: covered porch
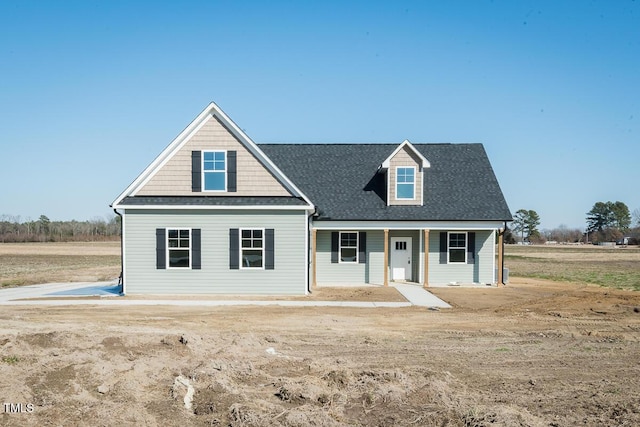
384, 254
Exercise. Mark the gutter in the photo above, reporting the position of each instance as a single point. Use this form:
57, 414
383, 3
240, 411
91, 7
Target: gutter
121, 279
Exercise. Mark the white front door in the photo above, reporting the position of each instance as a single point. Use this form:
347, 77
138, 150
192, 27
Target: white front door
400, 258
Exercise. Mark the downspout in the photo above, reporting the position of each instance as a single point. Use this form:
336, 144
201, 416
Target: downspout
311, 215
504, 231
121, 251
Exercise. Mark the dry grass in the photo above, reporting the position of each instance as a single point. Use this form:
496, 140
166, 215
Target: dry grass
35, 263
610, 267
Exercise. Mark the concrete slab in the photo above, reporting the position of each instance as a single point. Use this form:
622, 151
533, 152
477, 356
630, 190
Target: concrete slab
60, 289
99, 289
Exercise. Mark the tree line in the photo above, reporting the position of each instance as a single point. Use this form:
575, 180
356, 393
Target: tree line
605, 222
13, 230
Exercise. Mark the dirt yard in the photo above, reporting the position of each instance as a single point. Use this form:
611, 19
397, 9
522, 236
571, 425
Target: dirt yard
532, 354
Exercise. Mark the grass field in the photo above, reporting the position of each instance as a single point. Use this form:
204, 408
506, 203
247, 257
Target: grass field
34, 263
610, 267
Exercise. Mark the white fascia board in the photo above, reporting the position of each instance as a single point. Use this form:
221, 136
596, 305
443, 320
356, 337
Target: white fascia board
407, 225
423, 161
224, 207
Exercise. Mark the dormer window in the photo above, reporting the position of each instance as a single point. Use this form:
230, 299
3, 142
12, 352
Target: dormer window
214, 170
405, 175
405, 183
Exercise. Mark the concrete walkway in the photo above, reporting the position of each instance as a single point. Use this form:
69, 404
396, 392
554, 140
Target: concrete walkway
417, 295
109, 293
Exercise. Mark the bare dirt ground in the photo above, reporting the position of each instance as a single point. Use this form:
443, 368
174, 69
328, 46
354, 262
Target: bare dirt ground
534, 353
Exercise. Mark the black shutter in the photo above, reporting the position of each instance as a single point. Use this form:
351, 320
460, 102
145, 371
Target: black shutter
335, 236
196, 262
362, 247
269, 253
234, 249
471, 248
443, 247
161, 249
196, 171
231, 172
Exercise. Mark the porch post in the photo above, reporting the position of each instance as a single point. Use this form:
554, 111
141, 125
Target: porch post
386, 257
313, 258
426, 258
500, 257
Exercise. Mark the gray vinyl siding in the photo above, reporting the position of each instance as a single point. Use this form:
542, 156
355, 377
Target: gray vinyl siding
375, 257
215, 276
479, 272
328, 273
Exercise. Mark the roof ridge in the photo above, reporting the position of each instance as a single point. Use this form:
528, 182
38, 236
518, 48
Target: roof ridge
367, 143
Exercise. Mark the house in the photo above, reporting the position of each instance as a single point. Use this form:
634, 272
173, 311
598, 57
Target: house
217, 213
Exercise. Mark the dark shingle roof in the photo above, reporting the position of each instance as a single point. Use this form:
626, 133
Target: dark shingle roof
341, 180
211, 201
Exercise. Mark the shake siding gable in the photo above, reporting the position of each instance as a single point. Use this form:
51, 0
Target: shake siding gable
177, 176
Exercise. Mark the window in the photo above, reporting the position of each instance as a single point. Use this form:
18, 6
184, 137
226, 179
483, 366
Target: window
178, 248
214, 170
457, 247
348, 246
405, 183
401, 246
252, 248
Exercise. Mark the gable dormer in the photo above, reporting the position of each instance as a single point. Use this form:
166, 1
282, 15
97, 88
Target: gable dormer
404, 170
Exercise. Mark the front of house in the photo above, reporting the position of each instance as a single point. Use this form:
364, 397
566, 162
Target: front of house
216, 213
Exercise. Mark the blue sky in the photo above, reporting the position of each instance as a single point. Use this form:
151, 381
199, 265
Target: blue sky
92, 91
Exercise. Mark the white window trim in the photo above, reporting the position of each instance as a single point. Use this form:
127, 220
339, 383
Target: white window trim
466, 246
264, 241
226, 169
357, 261
415, 175
168, 249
